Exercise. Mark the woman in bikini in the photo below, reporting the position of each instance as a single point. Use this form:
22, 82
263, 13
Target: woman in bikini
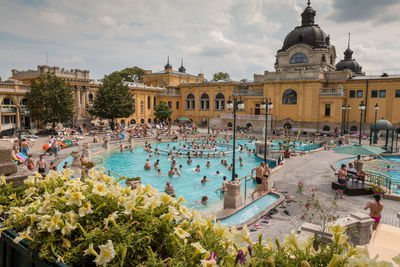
375, 210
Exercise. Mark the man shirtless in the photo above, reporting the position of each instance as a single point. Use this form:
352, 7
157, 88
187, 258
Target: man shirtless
342, 180
267, 174
41, 164
169, 189
259, 177
375, 210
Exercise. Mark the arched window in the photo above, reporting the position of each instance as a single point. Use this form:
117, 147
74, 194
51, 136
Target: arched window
190, 101
7, 101
230, 124
90, 97
142, 121
122, 121
141, 107
289, 97
219, 102
287, 126
133, 121
353, 129
24, 102
149, 120
204, 101
298, 58
326, 128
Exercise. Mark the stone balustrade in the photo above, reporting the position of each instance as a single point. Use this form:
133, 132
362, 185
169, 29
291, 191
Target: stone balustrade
332, 91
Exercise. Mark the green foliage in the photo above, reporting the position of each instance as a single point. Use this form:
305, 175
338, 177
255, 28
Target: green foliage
134, 74
287, 145
97, 220
220, 76
162, 111
113, 99
50, 99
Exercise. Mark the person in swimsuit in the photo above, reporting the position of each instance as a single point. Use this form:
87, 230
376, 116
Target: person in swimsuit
224, 184
171, 172
29, 163
41, 164
147, 165
259, 177
24, 146
267, 173
65, 166
204, 200
375, 210
342, 180
55, 146
169, 189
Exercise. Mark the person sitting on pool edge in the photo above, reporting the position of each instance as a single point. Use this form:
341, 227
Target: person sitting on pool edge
224, 184
147, 165
169, 189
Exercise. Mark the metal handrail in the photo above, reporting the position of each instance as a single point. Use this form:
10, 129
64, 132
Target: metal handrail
380, 179
245, 185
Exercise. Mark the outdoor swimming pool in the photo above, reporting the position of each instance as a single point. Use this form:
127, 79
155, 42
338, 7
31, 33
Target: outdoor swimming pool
188, 184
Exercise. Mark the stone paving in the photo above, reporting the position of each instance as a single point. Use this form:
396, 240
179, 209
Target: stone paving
314, 171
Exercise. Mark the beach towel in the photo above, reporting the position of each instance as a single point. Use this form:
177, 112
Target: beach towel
122, 135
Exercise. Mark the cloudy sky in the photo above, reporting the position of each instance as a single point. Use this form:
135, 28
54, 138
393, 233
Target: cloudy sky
240, 37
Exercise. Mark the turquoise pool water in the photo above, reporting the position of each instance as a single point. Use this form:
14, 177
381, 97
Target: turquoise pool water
250, 211
188, 184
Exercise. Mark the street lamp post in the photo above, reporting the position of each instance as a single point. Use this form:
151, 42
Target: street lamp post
376, 113
237, 104
361, 107
267, 105
348, 117
343, 118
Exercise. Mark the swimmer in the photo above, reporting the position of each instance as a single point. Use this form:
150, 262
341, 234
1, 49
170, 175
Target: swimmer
217, 173
208, 164
156, 164
204, 200
224, 184
197, 168
171, 172
169, 189
230, 167
159, 173
147, 165
180, 167
241, 161
177, 172
204, 180
189, 161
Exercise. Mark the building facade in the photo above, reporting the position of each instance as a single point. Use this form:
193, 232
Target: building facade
308, 89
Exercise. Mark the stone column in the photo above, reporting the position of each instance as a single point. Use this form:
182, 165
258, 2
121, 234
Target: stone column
83, 97
358, 164
75, 162
233, 199
105, 142
346, 139
18, 118
78, 102
364, 227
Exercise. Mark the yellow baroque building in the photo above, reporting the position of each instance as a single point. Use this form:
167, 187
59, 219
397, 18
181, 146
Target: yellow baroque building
310, 92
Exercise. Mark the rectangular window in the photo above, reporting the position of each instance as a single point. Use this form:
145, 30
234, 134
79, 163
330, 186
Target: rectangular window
352, 94
154, 101
148, 102
382, 93
177, 104
374, 93
359, 93
170, 104
327, 110
397, 93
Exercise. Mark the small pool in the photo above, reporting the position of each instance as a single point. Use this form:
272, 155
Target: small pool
250, 211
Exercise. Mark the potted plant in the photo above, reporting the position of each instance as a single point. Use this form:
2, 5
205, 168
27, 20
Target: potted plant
133, 182
287, 146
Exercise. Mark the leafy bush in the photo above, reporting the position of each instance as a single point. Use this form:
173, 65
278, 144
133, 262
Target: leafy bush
98, 221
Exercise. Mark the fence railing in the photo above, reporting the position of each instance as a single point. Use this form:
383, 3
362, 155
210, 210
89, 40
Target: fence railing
379, 180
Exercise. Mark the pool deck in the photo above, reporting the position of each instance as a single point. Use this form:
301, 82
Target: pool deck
314, 171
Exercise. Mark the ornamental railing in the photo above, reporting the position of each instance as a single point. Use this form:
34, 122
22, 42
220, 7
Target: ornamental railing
332, 91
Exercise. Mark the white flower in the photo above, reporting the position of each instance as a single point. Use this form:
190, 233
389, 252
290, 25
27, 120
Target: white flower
74, 198
30, 180
90, 251
68, 228
129, 206
54, 223
199, 247
99, 188
172, 214
85, 209
107, 253
181, 233
208, 263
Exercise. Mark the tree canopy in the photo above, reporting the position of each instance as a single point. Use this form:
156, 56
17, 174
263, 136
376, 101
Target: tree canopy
162, 111
134, 74
50, 99
113, 99
220, 76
